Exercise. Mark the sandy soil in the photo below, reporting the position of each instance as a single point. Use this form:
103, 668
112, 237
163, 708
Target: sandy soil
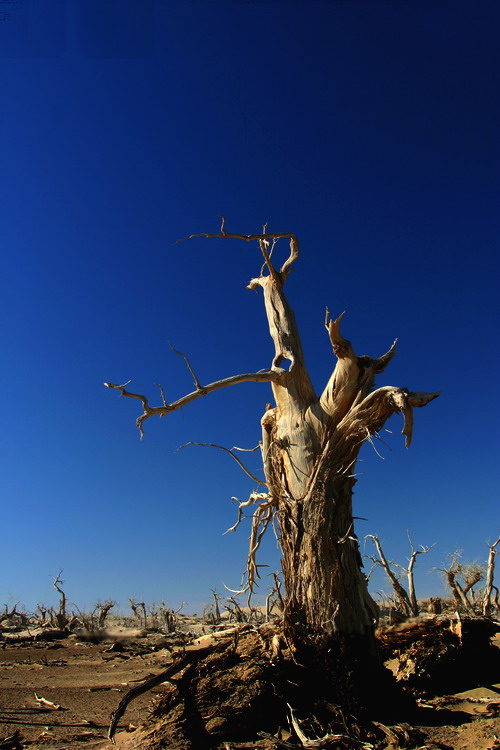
87, 681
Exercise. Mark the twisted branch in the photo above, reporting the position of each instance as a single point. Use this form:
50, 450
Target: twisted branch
263, 376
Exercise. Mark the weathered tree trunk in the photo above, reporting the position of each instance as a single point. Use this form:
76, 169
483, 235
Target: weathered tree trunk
309, 449
310, 446
490, 572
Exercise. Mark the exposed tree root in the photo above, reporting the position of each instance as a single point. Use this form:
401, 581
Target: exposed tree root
250, 691
246, 690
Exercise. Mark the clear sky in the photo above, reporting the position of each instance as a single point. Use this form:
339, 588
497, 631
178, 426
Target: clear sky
370, 130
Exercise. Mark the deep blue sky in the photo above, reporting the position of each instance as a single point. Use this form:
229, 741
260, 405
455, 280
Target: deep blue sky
369, 129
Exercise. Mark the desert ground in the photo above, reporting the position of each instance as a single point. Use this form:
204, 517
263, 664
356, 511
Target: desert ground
59, 692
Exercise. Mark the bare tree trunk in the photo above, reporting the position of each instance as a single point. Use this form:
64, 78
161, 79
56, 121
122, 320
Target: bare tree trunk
401, 594
309, 449
458, 593
61, 616
103, 611
489, 578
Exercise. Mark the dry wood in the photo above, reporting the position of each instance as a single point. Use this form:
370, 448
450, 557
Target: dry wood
48, 704
459, 595
265, 376
310, 444
401, 594
60, 616
407, 600
164, 676
489, 578
189, 656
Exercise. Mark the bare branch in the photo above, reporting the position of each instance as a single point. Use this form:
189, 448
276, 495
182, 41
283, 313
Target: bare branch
227, 450
409, 571
264, 244
398, 589
343, 385
241, 505
282, 325
196, 381
162, 394
263, 376
265, 236
275, 241
341, 347
381, 363
377, 407
261, 518
294, 254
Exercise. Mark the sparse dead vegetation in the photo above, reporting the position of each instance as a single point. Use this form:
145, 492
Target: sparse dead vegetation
407, 603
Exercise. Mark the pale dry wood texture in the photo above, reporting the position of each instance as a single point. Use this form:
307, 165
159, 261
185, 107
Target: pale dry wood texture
309, 446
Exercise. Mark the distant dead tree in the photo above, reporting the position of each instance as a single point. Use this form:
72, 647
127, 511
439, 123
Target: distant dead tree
139, 610
103, 609
168, 616
490, 573
211, 612
407, 600
461, 578
309, 447
60, 616
40, 615
216, 607
472, 573
13, 615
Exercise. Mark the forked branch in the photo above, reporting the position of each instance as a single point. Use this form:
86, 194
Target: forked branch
263, 376
401, 594
261, 238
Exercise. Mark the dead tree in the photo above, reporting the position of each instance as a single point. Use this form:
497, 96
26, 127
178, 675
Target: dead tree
103, 609
459, 594
309, 447
472, 573
490, 572
139, 610
169, 616
401, 594
407, 599
216, 607
60, 617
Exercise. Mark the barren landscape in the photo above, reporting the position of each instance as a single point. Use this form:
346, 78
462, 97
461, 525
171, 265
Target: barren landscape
58, 691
